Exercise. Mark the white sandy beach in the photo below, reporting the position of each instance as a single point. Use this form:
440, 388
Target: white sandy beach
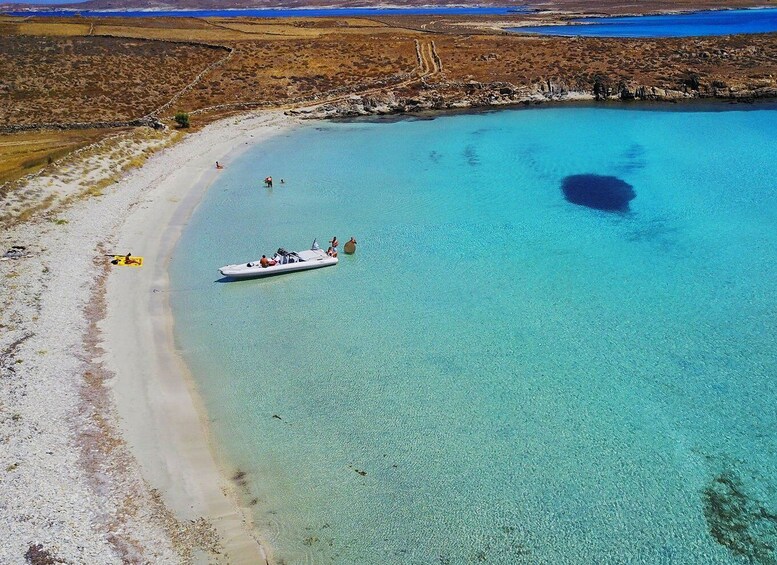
106, 453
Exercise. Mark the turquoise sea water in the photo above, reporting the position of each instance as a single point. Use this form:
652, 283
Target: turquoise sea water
498, 375
712, 22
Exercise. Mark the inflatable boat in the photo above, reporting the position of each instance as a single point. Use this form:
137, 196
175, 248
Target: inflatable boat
282, 262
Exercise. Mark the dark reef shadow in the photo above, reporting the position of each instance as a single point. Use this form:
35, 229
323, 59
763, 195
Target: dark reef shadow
738, 522
599, 192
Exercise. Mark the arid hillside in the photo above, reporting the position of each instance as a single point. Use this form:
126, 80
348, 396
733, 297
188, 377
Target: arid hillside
102, 73
701, 63
579, 6
71, 79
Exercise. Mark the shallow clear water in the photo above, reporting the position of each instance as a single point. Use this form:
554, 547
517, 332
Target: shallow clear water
522, 379
715, 22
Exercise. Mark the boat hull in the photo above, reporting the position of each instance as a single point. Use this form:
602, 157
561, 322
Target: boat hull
253, 269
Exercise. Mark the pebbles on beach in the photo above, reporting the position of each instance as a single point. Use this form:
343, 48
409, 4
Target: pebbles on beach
70, 490
49, 503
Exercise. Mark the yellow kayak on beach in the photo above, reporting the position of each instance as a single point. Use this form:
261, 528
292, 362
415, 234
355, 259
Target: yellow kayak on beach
124, 261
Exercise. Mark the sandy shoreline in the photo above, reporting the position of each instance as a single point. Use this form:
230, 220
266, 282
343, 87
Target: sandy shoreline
93, 347
155, 396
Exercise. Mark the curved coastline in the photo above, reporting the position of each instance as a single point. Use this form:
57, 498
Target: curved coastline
160, 413
161, 418
108, 453
261, 437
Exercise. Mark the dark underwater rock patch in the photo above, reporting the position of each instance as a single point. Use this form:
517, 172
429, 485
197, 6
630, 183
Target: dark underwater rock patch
738, 522
633, 159
471, 155
599, 192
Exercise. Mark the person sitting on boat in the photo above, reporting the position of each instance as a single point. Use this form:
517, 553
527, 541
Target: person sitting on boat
265, 262
332, 252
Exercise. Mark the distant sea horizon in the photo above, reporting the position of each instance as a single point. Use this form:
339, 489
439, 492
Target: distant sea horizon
688, 24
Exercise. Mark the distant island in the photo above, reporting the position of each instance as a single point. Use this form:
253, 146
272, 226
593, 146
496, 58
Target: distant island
579, 6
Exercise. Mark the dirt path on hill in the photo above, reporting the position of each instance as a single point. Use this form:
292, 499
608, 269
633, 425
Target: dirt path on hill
428, 64
192, 84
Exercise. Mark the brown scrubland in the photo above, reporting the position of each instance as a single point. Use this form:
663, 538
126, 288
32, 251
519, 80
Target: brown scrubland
100, 74
599, 6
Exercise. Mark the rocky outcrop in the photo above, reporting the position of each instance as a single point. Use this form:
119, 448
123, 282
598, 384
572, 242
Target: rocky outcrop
691, 89
148, 121
445, 95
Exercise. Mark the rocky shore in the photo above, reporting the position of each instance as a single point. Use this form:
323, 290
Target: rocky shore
478, 95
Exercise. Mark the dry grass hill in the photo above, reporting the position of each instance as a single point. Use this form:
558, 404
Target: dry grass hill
103, 73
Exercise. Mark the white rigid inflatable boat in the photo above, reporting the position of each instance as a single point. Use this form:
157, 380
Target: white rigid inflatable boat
285, 262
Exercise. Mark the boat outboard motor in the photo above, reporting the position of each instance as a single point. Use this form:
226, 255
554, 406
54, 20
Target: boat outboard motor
315, 246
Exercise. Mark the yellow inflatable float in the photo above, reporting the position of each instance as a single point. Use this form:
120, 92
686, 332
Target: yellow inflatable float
127, 260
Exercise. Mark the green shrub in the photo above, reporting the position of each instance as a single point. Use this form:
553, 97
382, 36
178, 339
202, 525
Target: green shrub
182, 119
